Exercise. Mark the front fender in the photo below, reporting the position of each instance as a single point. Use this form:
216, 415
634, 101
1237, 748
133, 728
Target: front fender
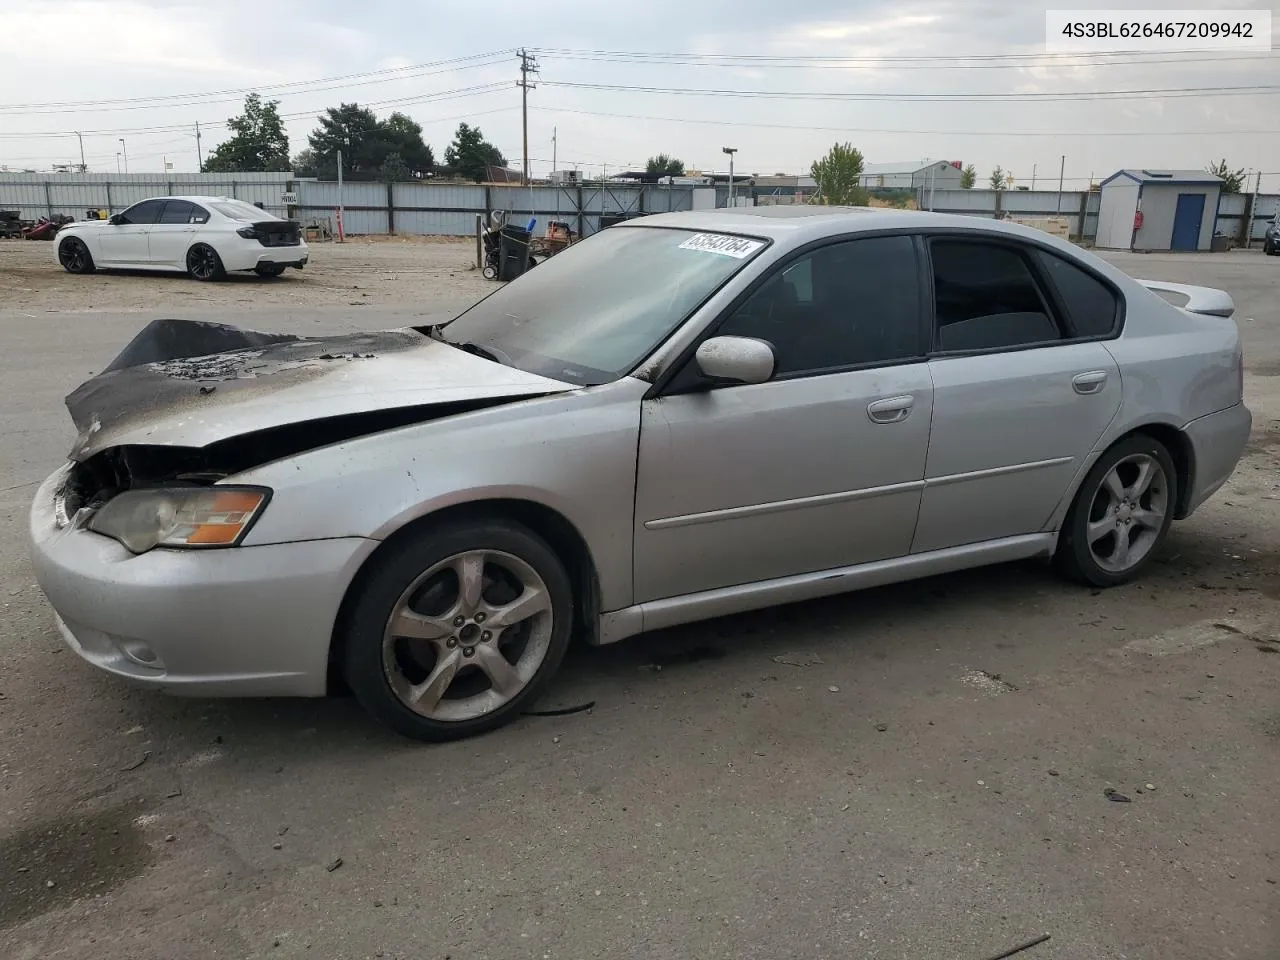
573, 453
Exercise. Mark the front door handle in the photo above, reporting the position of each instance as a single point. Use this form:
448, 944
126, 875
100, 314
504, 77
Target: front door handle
1091, 382
891, 409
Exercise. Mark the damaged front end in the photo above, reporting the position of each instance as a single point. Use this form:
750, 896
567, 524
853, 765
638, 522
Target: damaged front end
188, 404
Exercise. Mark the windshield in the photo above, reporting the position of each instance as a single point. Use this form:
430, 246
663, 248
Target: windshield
589, 314
239, 210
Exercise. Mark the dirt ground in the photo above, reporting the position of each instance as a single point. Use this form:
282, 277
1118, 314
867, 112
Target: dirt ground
911, 773
359, 272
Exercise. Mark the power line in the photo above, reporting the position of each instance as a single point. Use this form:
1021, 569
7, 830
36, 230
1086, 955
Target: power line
954, 133
189, 99
838, 60
1161, 92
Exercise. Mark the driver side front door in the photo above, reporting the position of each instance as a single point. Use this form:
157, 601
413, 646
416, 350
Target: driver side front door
127, 242
818, 468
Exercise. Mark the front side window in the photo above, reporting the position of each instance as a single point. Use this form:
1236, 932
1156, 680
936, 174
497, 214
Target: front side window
591, 313
986, 298
148, 211
846, 304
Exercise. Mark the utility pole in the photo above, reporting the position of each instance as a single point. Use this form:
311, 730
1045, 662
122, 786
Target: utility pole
528, 65
1033, 176
125, 151
554, 146
83, 168
1252, 209
341, 229
1061, 170
199, 155
730, 151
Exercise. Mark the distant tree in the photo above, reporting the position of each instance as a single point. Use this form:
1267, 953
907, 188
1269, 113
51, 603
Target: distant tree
997, 179
837, 176
351, 129
470, 155
394, 169
304, 164
258, 141
1232, 180
665, 166
968, 177
400, 134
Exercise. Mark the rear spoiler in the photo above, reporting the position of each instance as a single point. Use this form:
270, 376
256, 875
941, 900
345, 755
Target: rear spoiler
1202, 300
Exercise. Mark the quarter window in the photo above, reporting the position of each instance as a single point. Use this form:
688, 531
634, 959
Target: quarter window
985, 298
843, 305
1089, 302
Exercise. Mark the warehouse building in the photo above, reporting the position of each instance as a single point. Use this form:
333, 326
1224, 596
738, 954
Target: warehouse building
1158, 210
914, 175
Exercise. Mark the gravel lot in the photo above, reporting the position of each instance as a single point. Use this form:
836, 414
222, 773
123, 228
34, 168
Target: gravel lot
911, 772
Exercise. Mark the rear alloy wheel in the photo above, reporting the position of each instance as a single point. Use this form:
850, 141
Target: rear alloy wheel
1121, 514
74, 256
269, 269
203, 263
456, 632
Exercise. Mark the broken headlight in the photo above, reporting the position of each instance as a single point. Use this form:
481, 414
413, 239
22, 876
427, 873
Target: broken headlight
184, 517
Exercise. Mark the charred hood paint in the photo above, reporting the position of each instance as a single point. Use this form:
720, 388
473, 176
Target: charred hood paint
191, 384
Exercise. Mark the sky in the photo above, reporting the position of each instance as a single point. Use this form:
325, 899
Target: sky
443, 63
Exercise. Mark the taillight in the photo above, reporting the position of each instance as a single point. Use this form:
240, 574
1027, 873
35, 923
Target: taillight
249, 233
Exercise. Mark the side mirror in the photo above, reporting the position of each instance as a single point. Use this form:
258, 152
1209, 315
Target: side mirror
736, 359
116, 219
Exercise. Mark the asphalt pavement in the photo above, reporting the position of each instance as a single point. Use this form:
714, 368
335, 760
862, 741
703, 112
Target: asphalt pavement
913, 772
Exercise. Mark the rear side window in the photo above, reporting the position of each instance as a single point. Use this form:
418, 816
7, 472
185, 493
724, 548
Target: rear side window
199, 214
176, 211
986, 298
1089, 302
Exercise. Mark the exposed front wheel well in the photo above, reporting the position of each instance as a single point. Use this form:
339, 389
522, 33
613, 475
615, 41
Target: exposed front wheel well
553, 527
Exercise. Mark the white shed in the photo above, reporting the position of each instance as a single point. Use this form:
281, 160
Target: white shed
1158, 210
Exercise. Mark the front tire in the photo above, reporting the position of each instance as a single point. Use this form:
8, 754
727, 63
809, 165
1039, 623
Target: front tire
1121, 514
74, 256
457, 631
269, 269
203, 263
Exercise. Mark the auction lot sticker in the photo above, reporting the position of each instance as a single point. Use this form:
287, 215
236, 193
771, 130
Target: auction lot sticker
737, 247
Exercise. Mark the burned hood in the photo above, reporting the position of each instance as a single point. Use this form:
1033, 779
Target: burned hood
189, 383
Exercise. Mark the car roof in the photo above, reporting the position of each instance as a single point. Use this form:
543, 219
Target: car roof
201, 199
802, 223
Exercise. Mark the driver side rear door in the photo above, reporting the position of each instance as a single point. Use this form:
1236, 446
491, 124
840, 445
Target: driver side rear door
818, 468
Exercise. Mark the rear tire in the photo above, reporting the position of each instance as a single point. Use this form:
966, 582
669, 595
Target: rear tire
269, 269
203, 263
1121, 514
74, 256
436, 661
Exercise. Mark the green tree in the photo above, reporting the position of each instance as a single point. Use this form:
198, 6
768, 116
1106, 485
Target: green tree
837, 176
351, 129
394, 169
258, 141
665, 166
304, 164
470, 155
1232, 180
968, 177
998, 177
400, 134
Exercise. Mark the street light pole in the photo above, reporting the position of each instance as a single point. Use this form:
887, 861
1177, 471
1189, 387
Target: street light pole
125, 151
81, 139
730, 151
117, 161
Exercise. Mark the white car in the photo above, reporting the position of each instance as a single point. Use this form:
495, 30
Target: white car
205, 236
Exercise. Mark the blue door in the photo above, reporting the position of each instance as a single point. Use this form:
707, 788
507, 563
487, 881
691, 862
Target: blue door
1186, 222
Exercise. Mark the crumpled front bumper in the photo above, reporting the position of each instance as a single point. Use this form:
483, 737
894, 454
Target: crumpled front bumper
241, 621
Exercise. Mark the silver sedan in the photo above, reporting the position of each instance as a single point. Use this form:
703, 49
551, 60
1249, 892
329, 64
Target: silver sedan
681, 417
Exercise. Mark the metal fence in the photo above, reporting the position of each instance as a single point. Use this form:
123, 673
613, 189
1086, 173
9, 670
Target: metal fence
450, 209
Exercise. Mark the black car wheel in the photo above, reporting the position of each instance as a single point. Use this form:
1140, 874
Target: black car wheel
457, 631
74, 256
203, 263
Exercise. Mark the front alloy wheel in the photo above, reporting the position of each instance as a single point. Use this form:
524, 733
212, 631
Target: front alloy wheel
1121, 514
74, 256
455, 634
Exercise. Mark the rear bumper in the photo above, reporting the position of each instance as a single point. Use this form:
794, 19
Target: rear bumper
1217, 442
247, 254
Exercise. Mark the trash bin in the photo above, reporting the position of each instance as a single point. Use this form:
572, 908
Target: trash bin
513, 252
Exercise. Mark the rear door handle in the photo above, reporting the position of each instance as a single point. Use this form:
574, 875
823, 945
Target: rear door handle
890, 409
1091, 382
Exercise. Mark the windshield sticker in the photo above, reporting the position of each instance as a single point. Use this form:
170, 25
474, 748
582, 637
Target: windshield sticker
737, 247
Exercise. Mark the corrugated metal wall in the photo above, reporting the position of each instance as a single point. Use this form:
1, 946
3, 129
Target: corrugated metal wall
37, 195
